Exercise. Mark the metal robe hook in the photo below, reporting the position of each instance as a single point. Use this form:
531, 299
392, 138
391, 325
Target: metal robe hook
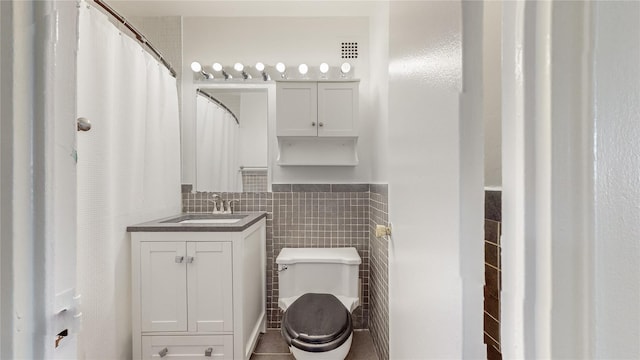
83, 124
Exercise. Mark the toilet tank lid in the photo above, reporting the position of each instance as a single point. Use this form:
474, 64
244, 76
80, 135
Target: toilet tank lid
347, 256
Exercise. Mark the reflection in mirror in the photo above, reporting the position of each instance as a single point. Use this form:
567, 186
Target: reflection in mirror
231, 140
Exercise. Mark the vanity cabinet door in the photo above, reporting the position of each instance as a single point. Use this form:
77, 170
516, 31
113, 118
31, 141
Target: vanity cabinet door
337, 108
210, 286
297, 109
163, 284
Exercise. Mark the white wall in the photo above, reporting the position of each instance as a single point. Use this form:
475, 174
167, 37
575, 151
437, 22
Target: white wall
253, 127
61, 180
435, 297
38, 177
617, 188
18, 318
378, 112
292, 40
470, 186
165, 33
492, 93
3, 328
567, 209
6, 108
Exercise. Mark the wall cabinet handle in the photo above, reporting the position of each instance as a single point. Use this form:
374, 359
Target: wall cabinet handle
190, 259
208, 352
179, 259
313, 124
321, 124
163, 352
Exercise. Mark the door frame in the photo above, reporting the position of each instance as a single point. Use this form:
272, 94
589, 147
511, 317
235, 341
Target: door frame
547, 179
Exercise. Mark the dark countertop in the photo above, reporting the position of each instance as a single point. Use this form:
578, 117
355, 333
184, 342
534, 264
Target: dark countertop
172, 223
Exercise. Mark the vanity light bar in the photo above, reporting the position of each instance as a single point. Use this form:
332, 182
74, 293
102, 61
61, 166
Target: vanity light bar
196, 67
281, 68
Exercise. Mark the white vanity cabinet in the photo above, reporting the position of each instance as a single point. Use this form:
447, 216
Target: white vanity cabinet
317, 108
176, 276
198, 294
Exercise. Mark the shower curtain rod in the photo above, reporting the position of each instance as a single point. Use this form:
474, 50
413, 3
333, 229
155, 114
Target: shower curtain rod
141, 38
200, 92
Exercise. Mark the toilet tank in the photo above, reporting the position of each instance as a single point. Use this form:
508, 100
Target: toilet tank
318, 270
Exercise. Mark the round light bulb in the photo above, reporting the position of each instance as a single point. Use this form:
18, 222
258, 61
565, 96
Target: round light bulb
303, 68
217, 67
345, 67
324, 68
196, 67
280, 67
238, 67
260, 66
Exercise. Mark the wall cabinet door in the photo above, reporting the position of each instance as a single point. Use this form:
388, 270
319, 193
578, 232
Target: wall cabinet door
210, 286
337, 108
297, 104
163, 284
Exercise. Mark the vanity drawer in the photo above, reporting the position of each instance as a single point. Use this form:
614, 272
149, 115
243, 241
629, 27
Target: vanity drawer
187, 347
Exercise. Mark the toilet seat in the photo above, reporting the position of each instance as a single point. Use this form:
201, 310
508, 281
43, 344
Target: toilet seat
316, 323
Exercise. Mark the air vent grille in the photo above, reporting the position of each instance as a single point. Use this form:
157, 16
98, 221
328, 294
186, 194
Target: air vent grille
349, 50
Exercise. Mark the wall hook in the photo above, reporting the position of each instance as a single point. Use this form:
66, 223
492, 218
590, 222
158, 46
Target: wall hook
83, 124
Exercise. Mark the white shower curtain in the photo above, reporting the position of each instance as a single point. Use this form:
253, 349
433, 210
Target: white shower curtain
128, 172
217, 165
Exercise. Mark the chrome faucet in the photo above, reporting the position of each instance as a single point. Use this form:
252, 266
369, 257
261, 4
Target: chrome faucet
216, 200
227, 206
230, 205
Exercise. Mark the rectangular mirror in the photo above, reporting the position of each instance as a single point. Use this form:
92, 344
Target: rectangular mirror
231, 139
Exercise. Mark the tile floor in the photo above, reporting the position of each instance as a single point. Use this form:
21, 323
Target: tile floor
271, 346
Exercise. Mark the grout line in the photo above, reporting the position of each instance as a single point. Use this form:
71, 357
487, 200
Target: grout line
491, 316
257, 353
490, 337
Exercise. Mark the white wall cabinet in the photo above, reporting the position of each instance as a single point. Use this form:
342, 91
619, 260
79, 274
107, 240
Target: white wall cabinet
317, 108
183, 289
317, 123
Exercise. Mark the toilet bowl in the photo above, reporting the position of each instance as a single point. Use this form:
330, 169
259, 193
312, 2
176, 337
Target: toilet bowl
318, 290
317, 326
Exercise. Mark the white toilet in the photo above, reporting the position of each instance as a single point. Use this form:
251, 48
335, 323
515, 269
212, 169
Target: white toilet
318, 291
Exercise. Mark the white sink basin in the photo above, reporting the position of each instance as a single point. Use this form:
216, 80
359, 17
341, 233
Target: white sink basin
210, 221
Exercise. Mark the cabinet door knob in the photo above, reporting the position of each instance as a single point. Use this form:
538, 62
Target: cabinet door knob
320, 124
313, 124
179, 259
190, 259
208, 352
163, 352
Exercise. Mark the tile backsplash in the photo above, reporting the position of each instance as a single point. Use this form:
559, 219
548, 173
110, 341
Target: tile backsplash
379, 271
493, 274
310, 215
321, 219
254, 180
